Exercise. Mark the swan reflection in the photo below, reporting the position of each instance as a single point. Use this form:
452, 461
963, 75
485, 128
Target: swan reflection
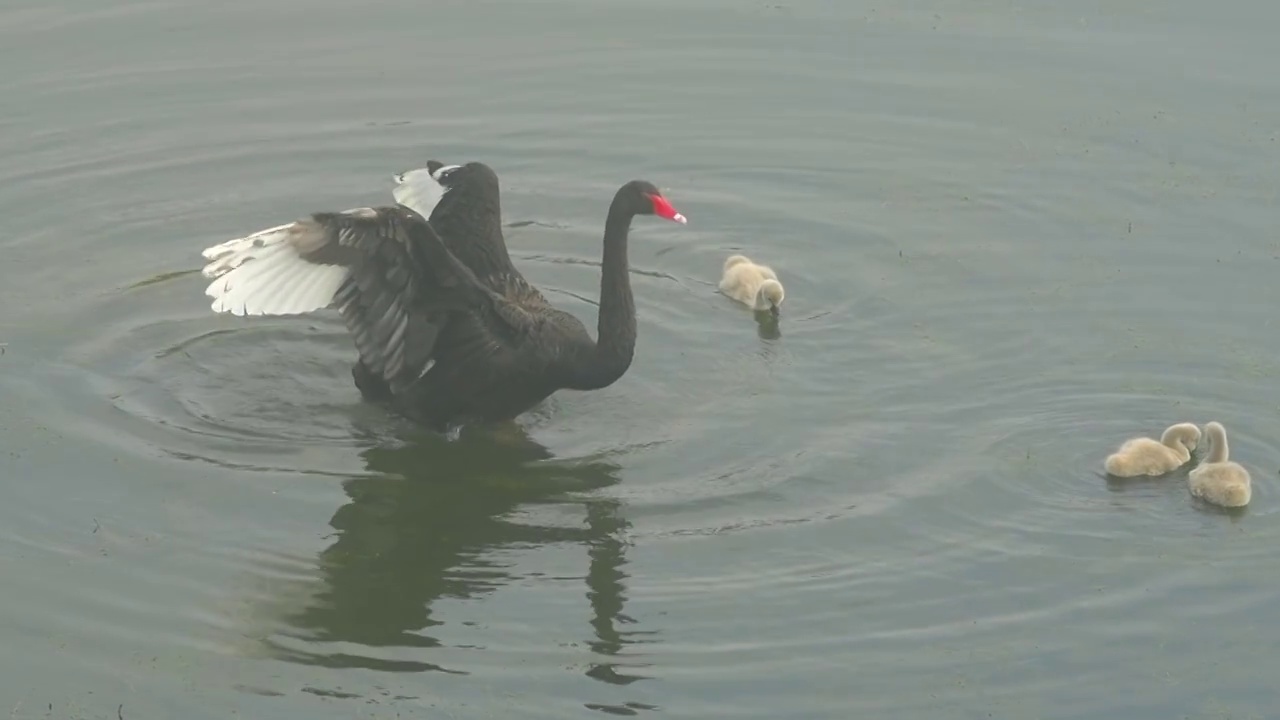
430, 521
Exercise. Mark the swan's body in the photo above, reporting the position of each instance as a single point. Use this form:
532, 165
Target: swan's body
1144, 456
755, 286
447, 330
1218, 480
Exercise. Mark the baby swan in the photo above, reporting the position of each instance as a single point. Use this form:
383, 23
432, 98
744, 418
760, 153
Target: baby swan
1144, 456
1217, 479
752, 284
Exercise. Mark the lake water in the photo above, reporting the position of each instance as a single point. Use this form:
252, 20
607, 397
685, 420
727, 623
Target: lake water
1012, 235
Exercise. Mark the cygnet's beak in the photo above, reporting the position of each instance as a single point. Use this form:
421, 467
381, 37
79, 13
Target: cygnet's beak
774, 310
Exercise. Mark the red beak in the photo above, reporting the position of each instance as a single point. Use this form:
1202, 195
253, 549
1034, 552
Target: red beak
663, 209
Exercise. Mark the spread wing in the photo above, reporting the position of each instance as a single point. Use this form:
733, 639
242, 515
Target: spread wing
390, 277
360, 261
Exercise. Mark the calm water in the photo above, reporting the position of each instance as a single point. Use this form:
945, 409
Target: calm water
1012, 236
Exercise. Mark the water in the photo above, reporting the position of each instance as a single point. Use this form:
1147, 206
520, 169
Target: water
1012, 235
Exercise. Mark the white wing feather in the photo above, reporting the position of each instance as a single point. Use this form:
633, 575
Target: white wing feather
262, 274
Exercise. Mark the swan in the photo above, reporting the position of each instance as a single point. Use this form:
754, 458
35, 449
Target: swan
1144, 456
1217, 479
445, 328
753, 285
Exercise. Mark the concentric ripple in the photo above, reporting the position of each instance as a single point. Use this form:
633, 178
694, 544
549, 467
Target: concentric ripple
1011, 238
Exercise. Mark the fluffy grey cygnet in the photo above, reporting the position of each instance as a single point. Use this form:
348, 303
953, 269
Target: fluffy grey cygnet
753, 285
1218, 480
1144, 456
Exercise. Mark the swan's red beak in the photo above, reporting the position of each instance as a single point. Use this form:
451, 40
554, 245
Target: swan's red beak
663, 209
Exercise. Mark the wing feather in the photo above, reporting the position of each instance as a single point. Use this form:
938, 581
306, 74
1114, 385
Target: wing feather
390, 277
359, 261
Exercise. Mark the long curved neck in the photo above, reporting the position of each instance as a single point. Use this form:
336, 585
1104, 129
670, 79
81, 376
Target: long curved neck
762, 301
1218, 452
616, 327
473, 214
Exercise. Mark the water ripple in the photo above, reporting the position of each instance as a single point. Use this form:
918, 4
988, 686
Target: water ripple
898, 484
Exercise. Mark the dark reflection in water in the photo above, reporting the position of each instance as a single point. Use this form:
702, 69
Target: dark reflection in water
768, 326
428, 523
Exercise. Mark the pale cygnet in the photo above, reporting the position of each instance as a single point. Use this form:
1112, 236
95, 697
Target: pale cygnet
753, 285
1144, 456
1217, 479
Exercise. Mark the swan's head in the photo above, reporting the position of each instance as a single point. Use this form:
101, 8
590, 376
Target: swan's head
1186, 434
644, 198
735, 260
769, 296
439, 169
1217, 440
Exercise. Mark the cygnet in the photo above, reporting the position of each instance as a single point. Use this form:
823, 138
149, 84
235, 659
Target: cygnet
753, 285
1217, 479
1144, 456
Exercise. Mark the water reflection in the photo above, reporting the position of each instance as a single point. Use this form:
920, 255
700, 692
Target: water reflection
768, 326
429, 522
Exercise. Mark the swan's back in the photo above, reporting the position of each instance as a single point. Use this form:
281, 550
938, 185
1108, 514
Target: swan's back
1225, 483
743, 278
1144, 456
741, 282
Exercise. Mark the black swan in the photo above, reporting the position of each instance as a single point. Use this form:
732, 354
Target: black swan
444, 323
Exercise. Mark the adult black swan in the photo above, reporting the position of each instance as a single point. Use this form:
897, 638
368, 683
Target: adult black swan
444, 323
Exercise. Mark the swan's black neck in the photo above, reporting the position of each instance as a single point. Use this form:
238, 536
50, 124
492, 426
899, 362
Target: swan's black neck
616, 328
468, 214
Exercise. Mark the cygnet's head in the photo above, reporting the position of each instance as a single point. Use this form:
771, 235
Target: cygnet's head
1187, 434
735, 260
770, 296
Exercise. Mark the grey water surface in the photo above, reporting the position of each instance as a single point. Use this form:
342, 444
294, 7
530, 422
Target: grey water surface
1012, 234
